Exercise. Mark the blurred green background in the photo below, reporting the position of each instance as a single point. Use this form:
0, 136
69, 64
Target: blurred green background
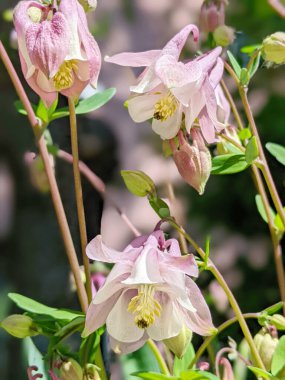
32, 259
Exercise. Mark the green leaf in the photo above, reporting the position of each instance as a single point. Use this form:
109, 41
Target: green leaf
251, 151
278, 151
244, 134
278, 360
153, 376
250, 49
34, 357
42, 112
21, 109
244, 76
261, 208
278, 223
255, 65
32, 306
87, 105
273, 309
182, 364
234, 64
197, 375
261, 373
229, 164
138, 183
160, 207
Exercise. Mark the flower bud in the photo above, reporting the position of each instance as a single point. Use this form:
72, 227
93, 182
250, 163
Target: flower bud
273, 48
223, 146
138, 183
19, 326
179, 343
93, 372
88, 5
224, 35
212, 15
71, 370
265, 345
277, 320
193, 161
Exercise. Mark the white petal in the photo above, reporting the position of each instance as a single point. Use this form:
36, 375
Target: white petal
170, 321
196, 104
126, 348
169, 128
121, 323
141, 107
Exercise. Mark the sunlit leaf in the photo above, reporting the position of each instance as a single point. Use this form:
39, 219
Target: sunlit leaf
278, 151
229, 164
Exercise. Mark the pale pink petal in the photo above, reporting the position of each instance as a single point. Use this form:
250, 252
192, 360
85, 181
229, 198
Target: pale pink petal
176, 74
196, 104
185, 264
169, 128
75, 90
146, 268
173, 247
139, 59
201, 320
176, 44
97, 314
47, 44
170, 321
224, 108
211, 103
110, 287
141, 107
121, 323
208, 60
126, 348
147, 81
97, 250
207, 127
216, 73
44, 83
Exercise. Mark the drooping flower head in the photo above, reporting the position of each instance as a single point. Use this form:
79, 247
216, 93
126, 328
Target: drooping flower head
57, 51
148, 293
172, 93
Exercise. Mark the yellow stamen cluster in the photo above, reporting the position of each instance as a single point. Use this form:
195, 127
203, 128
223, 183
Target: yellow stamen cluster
144, 307
64, 78
165, 107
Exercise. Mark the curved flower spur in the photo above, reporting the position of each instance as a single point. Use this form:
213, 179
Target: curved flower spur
57, 51
148, 293
172, 93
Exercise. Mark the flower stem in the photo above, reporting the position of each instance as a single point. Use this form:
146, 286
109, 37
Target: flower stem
221, 328
57, 202
100, 363
78, 195
212, 268
158, 356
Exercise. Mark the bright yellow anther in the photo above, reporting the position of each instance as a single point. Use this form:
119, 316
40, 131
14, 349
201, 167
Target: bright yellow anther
165, 107
64, 78
144, 307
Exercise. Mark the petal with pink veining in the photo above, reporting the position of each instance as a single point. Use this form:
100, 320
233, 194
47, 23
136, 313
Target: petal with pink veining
176, 44
139, 59
185, 264
207, 127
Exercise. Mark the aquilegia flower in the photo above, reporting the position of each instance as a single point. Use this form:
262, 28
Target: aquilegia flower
57, 51
148, 293
174, 94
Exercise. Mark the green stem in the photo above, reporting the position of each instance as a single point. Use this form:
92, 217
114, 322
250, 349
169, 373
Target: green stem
221, 328
57, 202
212, 268
100, 363
158, 357
79, 196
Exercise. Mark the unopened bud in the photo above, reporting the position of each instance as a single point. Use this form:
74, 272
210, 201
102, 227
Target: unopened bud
37, 171
212, 15
277, 320
223, 145
88, 5
138, 183
266, 346
71, 370
93, 372
273, 48
19, 326
224, 35
193, 161
179, 343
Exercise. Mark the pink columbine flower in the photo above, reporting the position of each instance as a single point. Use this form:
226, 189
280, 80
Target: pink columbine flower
57, 51
169, 91
148, 293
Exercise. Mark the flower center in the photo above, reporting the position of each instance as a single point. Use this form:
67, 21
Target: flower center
165, 107
64, 78
144, 306
35, 14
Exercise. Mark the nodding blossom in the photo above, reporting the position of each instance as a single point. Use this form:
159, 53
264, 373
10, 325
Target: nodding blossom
174, 94
57, 51
148, 293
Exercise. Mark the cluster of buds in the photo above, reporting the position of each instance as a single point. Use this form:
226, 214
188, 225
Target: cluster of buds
266, 341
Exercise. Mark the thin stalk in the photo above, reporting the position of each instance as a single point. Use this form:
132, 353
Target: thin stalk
158, 356
99, 185
79, 195
57, 202
221, 328
232, 141
233, 106
212, 268
100, 363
